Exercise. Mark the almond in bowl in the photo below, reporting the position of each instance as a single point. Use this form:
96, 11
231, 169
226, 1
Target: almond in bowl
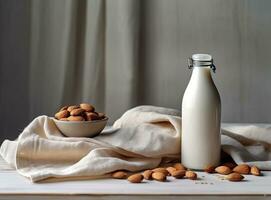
80, 120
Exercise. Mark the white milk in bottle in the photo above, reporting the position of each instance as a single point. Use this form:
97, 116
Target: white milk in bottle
201, 113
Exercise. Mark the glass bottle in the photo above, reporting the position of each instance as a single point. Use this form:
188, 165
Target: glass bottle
201, 114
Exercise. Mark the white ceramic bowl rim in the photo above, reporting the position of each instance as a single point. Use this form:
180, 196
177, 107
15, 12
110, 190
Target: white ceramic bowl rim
94, 121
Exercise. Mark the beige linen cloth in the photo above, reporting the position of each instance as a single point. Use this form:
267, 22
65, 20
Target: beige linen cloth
142, 138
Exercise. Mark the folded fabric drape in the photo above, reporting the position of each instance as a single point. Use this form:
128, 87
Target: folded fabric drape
142, 138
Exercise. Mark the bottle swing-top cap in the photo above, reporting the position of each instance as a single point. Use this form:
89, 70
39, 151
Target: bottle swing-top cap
201, 60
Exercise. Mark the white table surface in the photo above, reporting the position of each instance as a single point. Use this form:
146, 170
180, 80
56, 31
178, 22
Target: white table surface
209, 186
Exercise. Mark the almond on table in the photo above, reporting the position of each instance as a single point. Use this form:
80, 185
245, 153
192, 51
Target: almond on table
179, 166
223, 170
191, 175
161, 169
159, 176
147, 174
242, 169
255, 171
178, 173
119, 175
234, 177
209, 169
171, 170
135, 178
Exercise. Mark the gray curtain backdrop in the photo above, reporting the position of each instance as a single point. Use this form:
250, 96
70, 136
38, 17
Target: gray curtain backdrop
121, 53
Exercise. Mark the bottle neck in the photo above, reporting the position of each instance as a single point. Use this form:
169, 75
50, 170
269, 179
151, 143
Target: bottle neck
201, 73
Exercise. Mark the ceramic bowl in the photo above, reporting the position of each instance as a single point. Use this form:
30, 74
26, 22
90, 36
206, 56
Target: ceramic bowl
81, 128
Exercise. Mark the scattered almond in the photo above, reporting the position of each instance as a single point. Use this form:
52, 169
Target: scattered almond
191, 175
77, 111
159, 176
62, 114
147, 174
223, 170
209, 169
76, 118
234, 177
119, 175
242, 169
171, 170
161, 169
178, 173
179, 166
255, 171
135, 178
87, 107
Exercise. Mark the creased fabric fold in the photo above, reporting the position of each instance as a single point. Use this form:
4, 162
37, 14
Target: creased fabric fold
142, 138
